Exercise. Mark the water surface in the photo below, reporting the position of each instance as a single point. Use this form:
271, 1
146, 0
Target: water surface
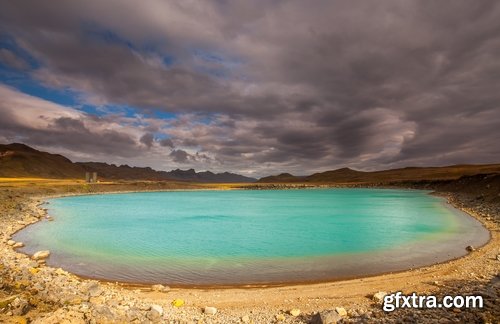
250, 237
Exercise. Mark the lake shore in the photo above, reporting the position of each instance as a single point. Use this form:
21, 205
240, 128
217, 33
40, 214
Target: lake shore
250, 271
43, 294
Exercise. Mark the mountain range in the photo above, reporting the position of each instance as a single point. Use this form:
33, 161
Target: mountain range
346, 175
20, 160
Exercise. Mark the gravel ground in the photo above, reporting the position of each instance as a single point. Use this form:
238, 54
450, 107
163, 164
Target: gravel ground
31, 292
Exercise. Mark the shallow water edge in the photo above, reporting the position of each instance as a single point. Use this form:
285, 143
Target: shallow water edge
365, 264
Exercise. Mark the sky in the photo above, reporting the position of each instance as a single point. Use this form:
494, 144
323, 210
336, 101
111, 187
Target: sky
254, 87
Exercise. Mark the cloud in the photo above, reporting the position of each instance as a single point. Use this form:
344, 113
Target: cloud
268, 87
180, 156
45, 124
10, 59
147, 139
167, 142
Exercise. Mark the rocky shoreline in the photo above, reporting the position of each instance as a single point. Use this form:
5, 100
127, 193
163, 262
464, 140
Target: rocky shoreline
35, 293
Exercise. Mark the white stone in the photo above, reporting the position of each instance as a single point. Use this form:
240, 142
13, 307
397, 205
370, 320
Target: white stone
158, 309
379, 296
18, 245
295, 312
210, 310
11, 242
341, 311
41, 255
160, 288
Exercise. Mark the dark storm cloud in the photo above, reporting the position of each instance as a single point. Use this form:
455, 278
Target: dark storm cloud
292, 85
147, 139
167, 142
179, 156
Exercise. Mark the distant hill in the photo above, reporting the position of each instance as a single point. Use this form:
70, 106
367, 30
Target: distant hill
283, 177
207, 176
346, 175
20, 160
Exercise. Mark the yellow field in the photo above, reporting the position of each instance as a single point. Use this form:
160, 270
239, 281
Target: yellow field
21, 182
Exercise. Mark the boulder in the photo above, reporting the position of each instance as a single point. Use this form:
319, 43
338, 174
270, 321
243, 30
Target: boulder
294, 312
11, 242
40, 255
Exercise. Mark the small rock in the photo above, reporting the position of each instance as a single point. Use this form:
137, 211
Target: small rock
104, 314
40, 255
379, 296
341, 311
19, 306
33, 264
153, 316
143, 307
326, 317
177, 302
18, 245
470, 248
11, 242
210, 310
93, 289
160, 288
498, 257
157, 308
6, 301
245, 319
280, 317
294, 312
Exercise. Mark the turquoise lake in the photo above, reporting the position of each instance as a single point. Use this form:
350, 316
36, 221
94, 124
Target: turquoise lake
240, 237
